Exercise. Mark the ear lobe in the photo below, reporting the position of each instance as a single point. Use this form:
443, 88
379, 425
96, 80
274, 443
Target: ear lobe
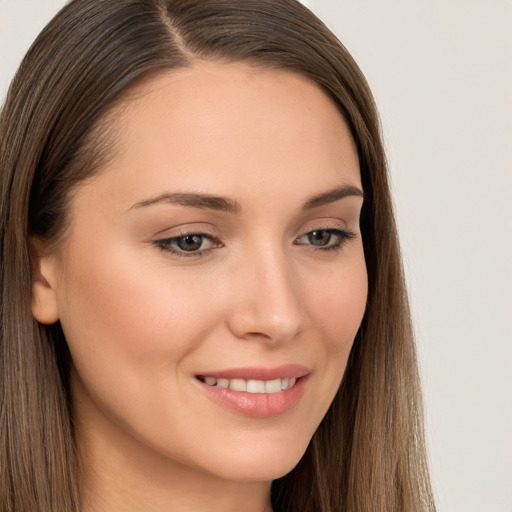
44, 298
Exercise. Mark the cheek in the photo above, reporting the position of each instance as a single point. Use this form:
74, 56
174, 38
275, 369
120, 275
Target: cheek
336, 311
339, 308
115, 309
130, 329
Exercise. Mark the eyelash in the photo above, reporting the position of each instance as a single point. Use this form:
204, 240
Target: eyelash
343, 235
166, 244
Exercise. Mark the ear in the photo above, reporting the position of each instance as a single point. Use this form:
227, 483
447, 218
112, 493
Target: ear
44, 297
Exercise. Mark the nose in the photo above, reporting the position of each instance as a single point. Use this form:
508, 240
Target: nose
266, 302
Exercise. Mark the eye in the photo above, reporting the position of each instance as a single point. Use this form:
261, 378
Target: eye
325, 239
190, 244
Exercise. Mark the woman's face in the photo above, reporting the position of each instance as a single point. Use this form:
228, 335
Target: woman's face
219, 247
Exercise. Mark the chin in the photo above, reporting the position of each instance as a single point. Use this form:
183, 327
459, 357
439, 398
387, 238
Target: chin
261, 463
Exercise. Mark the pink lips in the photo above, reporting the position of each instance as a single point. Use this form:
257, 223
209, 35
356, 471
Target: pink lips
257, 405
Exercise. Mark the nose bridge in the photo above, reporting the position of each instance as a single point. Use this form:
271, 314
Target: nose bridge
267, 301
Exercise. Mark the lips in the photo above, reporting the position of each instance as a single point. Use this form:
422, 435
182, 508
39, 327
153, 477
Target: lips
256, 392
251, 385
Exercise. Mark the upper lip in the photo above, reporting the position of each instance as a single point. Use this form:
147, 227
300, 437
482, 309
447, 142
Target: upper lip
259, 373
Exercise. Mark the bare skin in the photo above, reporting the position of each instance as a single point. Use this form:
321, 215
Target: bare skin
156, 287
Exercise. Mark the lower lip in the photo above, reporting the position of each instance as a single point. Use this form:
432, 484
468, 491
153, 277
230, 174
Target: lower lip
257, 405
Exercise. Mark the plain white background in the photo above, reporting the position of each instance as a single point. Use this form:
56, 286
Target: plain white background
441, 72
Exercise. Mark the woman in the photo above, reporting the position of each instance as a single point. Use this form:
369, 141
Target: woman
199, 311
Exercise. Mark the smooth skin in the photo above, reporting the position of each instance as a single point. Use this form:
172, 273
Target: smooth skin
146, 306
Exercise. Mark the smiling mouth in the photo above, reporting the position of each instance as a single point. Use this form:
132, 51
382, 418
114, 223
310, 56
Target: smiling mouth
250, 385
258, 392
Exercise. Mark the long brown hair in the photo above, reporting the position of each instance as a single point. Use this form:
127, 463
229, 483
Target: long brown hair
368, 453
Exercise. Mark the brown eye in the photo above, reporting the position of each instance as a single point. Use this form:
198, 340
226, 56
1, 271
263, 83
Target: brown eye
193, 244
320, 238
190, 242
325, 239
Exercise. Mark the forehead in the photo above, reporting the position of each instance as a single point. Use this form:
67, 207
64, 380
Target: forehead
230, 129
235, 92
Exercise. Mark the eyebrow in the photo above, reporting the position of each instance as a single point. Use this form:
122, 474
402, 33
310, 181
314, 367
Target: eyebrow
224, 204
332, 196
193, 200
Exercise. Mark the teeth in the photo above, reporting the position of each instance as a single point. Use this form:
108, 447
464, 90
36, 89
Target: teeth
256, 386
238, 385
251, 386
223, 383
273, 386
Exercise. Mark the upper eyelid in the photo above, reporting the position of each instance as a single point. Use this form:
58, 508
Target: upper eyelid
204, 225
213, 239
325, 226
210, 234
185, 230
184, 234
